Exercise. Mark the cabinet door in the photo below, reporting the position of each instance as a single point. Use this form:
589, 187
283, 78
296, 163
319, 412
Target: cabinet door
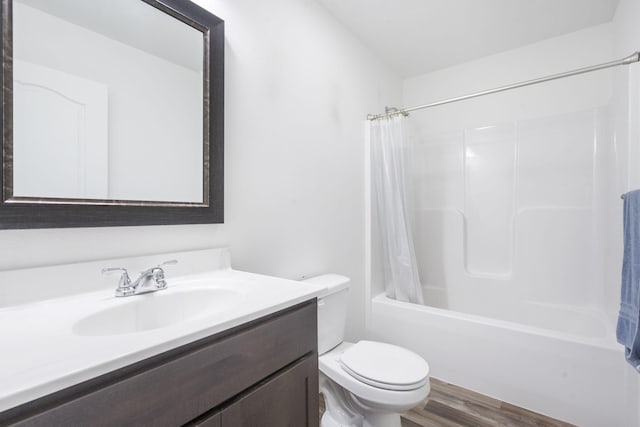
290, 399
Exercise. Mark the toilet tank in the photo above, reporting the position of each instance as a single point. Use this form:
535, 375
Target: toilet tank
332, 310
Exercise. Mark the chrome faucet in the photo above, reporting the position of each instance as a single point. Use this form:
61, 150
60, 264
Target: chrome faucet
150, 280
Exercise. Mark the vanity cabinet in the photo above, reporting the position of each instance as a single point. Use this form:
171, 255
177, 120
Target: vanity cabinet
263, 373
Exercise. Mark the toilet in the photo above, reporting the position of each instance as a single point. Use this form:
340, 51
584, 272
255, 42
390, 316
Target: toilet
364, 384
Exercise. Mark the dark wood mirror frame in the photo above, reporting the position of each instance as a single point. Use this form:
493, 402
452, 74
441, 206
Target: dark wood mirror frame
84, 213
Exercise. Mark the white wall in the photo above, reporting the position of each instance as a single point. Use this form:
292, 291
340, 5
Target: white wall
298, 87
559, 54
626, 40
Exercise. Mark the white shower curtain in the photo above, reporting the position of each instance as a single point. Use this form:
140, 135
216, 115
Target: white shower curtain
389, 162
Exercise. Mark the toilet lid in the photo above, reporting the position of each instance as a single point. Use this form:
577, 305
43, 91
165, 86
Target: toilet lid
385, 366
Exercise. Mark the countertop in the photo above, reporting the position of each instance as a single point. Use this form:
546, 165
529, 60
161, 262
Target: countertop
41, 354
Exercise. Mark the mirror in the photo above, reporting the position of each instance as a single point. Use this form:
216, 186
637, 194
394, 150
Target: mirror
111, 109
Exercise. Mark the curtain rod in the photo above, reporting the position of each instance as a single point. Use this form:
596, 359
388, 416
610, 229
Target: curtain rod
635, 57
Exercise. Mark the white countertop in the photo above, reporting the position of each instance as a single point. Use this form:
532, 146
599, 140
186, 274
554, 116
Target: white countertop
40, 353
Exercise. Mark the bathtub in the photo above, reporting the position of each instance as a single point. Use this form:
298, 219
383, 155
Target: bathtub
581, 379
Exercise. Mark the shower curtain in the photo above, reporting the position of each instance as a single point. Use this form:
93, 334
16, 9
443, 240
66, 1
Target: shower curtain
389, 163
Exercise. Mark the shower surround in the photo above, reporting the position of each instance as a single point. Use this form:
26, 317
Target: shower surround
509, 221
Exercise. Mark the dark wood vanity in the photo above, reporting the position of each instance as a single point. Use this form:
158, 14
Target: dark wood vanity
262, 373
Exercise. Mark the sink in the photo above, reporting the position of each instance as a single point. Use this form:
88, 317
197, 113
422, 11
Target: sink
156, 310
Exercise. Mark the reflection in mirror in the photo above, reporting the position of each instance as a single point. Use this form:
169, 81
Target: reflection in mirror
108, 103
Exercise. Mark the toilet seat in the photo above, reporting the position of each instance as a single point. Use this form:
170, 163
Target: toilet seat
385, 366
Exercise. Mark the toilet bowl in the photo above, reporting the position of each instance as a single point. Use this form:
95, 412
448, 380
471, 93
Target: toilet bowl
377, 398
368, 383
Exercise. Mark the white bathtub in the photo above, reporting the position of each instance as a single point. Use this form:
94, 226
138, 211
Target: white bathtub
580, 379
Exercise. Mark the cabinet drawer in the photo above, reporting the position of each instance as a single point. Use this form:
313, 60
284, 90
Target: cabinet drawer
177, 386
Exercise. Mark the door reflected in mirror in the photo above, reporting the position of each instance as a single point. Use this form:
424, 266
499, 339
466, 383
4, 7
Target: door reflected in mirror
108, 104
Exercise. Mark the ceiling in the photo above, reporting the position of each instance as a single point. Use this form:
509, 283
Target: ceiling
419, 36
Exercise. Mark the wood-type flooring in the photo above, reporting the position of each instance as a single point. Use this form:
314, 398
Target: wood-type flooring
452, 406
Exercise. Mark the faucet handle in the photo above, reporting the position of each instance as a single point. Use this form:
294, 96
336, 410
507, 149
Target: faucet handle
125, 280
158, 273
170, 262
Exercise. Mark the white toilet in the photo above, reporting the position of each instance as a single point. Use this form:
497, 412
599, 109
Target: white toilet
366, 384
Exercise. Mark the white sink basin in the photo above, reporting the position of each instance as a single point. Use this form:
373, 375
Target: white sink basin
155, 310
